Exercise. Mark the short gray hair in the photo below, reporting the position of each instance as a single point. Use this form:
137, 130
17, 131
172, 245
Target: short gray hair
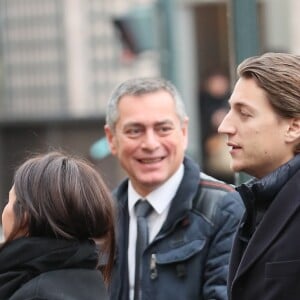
141, 86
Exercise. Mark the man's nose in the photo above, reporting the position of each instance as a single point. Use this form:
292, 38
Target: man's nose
150, 140
226, 126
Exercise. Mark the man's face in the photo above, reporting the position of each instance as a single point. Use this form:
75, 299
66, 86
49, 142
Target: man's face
149, 139
257, 136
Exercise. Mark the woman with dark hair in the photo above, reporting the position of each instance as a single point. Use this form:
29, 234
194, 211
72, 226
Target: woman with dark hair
58, 206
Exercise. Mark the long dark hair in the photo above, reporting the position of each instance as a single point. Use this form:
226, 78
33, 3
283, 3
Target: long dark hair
63, 196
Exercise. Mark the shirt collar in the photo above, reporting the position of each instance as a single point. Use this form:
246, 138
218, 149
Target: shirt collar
166, 192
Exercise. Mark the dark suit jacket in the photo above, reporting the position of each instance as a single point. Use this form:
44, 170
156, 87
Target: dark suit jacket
269, 269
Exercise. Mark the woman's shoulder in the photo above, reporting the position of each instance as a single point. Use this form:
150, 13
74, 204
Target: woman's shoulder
77, 284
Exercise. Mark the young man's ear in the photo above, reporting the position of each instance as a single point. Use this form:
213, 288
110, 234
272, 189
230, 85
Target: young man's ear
293, 132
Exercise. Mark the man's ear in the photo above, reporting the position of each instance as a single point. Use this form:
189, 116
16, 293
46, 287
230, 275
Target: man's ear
110, 136
293, 132
185, 131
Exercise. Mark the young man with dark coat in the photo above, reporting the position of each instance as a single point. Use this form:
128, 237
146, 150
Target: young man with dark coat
263, 130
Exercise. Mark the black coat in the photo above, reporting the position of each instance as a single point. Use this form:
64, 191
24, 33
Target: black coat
38, 268
268, 266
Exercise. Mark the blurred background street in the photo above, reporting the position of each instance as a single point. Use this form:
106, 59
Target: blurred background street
60, 59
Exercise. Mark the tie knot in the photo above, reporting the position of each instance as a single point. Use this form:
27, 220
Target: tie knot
142, 208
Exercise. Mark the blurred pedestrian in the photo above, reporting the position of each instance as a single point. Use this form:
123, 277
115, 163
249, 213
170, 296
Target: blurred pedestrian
263, 130
56, 206
191, 217
213, 105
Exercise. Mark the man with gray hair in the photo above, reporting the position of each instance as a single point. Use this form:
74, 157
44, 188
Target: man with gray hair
175, 224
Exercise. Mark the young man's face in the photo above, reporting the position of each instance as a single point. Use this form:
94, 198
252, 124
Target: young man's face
257, 136
149, 139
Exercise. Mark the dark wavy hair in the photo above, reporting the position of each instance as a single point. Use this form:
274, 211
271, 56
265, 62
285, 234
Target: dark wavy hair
63, 196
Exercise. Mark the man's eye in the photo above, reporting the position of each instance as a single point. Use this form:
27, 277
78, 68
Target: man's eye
133, 131
244, 113
164, 129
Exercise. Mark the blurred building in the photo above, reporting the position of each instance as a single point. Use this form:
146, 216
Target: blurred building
60, 59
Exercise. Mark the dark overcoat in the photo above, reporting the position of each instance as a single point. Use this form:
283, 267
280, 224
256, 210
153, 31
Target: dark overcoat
269, 267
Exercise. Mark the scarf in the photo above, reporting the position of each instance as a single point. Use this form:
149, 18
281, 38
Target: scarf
27, 257
258, 195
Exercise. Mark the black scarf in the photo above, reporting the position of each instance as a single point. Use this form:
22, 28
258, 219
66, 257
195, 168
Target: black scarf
26, 258
258, 195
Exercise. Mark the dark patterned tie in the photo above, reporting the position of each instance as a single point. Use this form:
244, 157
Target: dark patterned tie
142, 210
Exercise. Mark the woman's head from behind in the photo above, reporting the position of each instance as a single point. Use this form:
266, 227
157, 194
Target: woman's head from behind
59, 196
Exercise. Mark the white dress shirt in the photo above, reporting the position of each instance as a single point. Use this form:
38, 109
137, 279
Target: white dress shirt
160, 199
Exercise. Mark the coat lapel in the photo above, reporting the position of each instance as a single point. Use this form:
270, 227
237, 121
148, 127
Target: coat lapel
235, 256
279, 213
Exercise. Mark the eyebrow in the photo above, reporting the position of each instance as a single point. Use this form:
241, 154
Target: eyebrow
241, 104
136, 124
132, 124
164, 122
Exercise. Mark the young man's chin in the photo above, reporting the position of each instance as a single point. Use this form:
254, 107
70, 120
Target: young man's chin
236, 168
